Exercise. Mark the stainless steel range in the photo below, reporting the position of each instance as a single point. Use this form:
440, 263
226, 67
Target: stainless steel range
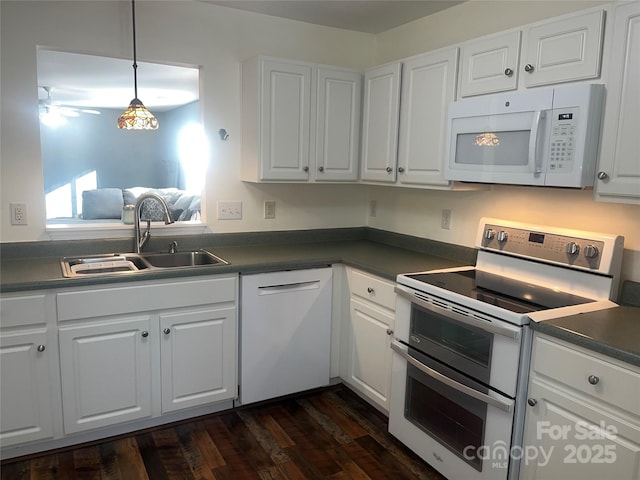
463, 342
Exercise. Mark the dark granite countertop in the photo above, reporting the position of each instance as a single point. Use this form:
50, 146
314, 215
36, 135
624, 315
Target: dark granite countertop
379, 253
614, 331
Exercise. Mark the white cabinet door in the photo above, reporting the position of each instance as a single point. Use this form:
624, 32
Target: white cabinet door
198, 357
285, 114
574, 439
563, 50
369, 367
618, 178
428, 86
490, 64
106, 373
337, 142
380, 123
25, 388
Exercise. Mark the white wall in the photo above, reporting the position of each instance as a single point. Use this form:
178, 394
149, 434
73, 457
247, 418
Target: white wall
177, 32
217, 39
418, 212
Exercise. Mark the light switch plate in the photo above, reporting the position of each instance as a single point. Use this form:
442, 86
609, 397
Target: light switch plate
229, 210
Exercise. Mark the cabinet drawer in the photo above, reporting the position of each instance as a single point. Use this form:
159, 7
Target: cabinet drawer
374, 289
23, 310
145, 297
588, 373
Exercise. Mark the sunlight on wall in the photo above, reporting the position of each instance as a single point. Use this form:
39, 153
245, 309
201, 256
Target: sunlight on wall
193, 151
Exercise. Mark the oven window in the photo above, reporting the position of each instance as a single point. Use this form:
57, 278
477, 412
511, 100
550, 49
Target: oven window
463, 346
454, 419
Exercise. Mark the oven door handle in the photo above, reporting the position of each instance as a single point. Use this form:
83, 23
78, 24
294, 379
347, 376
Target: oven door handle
486, 325
506, 406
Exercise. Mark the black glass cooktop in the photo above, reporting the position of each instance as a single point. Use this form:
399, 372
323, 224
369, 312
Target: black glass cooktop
510, 294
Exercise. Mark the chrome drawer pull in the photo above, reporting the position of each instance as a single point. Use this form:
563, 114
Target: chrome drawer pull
593, 380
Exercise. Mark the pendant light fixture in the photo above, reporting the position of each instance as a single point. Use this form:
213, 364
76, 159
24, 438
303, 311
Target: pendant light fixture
136, 116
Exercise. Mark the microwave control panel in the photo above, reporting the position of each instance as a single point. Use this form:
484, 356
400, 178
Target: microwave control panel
564, 125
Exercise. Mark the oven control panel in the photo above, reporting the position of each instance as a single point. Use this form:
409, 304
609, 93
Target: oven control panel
553, 247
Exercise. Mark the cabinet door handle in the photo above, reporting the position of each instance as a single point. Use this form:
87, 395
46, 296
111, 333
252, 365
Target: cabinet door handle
389, 169
145, 334
593, 379
370, 290
401, 169
305, 168
603, 175
532, 402
389, 332
41, 348
321, 169
167, 331
529, 68
508, 72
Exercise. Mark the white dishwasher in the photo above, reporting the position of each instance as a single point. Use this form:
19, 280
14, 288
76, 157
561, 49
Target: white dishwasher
285, 333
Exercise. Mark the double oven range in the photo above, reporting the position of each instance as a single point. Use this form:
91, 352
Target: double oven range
463, 342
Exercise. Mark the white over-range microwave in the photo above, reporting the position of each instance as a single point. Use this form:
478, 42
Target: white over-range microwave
546, 137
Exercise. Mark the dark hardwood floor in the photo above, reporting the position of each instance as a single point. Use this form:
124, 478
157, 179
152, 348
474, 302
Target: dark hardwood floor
328, 434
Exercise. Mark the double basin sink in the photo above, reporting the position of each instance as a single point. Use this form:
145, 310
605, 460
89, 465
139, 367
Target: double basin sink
121, 263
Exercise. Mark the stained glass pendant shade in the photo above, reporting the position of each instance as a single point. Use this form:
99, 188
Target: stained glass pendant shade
136, 116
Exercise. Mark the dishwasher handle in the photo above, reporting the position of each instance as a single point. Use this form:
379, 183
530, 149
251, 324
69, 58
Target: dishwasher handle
288, 287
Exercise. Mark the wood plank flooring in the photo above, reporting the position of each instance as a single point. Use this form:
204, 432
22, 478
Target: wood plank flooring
329, 434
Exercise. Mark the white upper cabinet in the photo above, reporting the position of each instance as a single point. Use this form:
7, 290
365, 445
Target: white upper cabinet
280, 141
564, 49
428, 86
380, 123
490, 64
405, 121
276, 107
618, 177
337, 142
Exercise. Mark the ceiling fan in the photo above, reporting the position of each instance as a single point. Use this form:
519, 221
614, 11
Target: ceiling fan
53, 114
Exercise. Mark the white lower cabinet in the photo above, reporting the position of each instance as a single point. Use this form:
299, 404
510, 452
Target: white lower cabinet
370, 326
175, 347
583, 415
106, 373
28, 366
197, 353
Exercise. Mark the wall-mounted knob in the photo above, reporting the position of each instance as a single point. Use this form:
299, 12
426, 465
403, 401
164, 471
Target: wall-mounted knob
528, 68
401, 169
502, 236
489, 234
41, 348
167, 331
590, 251
593, 380
145, 334
321, 169
370, 290
573, 248
389, 169
532, 402
389, 331
305, 169
603, 175
508, 72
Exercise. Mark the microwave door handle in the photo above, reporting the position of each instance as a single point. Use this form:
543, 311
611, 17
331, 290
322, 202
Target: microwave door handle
483, 397
535, 153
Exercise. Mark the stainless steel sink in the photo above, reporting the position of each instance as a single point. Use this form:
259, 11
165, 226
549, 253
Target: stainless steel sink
182, 259
108, 264
127, 263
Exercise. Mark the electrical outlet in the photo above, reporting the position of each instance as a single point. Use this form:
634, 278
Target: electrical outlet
373, 208
18, 213
269, 209
445, 223
229, 210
